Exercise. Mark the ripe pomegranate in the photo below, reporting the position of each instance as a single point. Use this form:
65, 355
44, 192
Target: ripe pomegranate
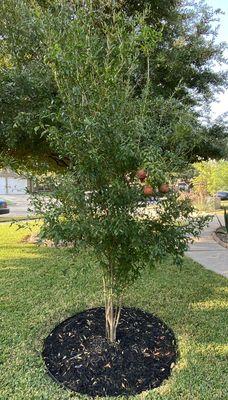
141, 174
164, 188
148, 190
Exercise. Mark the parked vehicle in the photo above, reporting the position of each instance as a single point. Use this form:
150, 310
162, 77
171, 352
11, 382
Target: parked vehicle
183, 186
4, 207
223, 195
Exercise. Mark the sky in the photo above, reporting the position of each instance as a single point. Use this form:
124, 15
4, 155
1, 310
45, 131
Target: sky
221, 106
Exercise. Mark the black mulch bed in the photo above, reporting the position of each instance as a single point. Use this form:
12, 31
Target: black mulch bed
78, 356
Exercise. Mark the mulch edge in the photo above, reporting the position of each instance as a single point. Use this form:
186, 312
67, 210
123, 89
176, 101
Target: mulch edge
218, 240
126, 396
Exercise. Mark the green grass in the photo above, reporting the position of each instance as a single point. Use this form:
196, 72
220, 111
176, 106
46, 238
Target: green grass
224, 203
8, 218
205, 208
43, 286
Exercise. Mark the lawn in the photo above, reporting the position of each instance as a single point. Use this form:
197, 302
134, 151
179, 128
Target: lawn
9, 218
43, 286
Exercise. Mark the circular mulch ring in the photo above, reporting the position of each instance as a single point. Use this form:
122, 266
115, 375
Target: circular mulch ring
78, 356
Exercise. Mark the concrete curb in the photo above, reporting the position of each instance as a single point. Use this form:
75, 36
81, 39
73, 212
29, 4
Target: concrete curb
219, 241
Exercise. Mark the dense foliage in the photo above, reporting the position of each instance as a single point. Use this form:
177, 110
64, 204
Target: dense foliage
181, 67
115, 144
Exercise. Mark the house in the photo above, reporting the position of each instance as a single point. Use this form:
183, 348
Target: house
12, 183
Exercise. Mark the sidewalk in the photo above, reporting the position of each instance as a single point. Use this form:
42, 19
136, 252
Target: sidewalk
209, 253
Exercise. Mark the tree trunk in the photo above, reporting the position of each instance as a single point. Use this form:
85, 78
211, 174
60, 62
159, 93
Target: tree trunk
113, 304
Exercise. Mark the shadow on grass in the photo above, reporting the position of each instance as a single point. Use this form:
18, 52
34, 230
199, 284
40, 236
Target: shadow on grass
193, 302
47, 285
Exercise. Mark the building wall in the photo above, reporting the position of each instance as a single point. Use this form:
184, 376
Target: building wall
12, 183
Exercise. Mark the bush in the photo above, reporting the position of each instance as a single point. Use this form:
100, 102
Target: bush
107, 134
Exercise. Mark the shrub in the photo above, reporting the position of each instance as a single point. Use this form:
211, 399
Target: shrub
107, 133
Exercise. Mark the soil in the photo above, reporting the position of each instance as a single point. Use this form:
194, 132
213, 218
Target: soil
79, 357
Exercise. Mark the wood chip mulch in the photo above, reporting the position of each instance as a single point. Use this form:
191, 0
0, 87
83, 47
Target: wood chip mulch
78, 356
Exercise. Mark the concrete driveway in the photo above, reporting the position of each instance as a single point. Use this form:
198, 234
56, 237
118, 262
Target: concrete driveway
209, 253
18, 204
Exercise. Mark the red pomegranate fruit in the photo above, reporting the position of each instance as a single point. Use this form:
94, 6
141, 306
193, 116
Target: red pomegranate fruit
164, 188
141, 174
148, 190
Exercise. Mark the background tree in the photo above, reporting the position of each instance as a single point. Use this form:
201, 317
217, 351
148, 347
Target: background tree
181, 67
212, 175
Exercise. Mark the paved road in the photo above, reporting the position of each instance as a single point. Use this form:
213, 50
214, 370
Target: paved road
208, 252
18, 204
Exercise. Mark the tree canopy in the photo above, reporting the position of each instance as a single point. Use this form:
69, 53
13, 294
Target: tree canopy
121, 147
180, 68
211, 176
